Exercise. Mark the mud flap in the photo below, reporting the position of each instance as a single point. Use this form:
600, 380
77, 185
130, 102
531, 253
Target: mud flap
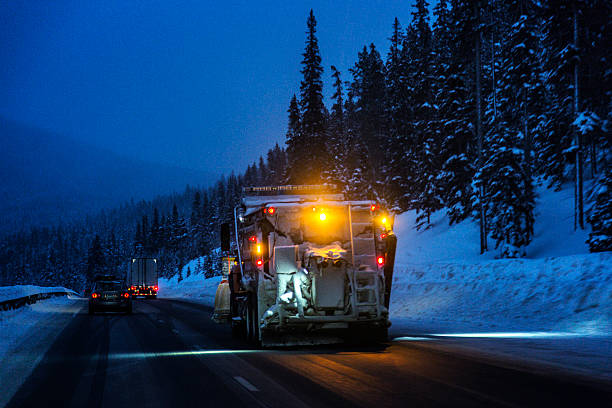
390, 246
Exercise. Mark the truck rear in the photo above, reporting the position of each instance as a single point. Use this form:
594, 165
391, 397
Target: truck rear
142, 277
312, 268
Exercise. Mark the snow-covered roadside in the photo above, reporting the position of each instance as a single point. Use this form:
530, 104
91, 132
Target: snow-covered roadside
569, 294
555, 312
25, 336
195, 288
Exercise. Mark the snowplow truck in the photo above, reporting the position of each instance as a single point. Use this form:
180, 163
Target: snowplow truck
313, 268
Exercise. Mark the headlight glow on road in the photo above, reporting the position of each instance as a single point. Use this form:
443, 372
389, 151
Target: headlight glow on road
409, 338
512, 335
123, 356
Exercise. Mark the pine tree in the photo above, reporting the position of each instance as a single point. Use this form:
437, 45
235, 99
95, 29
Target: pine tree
336, 140
397, 113
95, 259
356, 184
195, 225
296, 143
600, 239
507, 170
456, 111
510, 202
425, 152
368, 91
307, 166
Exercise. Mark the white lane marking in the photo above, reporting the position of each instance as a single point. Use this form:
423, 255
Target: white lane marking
246, 384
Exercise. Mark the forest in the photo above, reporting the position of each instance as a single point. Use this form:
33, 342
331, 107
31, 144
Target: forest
470, 107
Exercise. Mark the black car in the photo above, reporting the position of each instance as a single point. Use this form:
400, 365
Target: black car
110, 295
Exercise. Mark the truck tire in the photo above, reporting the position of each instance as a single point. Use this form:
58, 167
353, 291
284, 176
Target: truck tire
249, 322
252, 326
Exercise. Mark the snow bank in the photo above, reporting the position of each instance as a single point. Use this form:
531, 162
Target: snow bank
25, 336
195, 287
572, 293
18, 291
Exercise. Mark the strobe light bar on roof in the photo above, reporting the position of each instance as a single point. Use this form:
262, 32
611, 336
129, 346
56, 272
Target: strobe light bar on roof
289, 189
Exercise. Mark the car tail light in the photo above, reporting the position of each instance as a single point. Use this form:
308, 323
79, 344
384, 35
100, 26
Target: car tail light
155, 288
94, 295
126, 295
380, 260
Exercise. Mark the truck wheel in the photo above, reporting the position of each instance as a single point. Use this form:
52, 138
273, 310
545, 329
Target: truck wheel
252, 325
249, 322
238, 330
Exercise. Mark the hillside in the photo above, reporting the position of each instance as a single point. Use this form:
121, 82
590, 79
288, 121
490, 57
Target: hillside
48, 178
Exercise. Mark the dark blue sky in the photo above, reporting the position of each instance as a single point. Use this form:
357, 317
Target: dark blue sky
201, 84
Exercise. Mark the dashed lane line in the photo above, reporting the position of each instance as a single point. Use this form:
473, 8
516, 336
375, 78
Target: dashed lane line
246, 384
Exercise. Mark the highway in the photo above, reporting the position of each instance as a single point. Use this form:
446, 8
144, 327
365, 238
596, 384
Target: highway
170, 353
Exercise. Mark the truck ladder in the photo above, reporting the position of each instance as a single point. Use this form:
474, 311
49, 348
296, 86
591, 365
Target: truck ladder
365, 283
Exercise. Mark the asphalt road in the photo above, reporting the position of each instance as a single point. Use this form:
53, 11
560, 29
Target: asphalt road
170, 354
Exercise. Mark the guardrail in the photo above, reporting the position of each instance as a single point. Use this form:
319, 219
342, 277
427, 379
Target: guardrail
12, 304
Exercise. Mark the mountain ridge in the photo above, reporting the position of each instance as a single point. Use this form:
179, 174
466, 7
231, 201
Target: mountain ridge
50, 178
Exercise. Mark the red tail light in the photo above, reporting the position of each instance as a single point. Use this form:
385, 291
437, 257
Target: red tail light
155, 288
380, 260
126, 295
269, 210
373, 207
259, 262
94, 295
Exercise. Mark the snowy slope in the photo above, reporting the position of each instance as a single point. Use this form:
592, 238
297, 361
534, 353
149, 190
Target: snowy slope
554, 234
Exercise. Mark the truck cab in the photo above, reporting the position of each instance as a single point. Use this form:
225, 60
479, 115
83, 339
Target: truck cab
312, 267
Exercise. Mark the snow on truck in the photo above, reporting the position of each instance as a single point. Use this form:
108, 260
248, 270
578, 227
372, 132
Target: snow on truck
142, 277
311, 268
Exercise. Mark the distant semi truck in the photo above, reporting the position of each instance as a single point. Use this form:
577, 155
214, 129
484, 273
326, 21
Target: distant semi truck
142, 277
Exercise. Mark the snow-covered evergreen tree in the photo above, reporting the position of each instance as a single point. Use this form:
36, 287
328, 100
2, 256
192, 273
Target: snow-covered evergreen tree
454, 33
600, 239
309, 158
